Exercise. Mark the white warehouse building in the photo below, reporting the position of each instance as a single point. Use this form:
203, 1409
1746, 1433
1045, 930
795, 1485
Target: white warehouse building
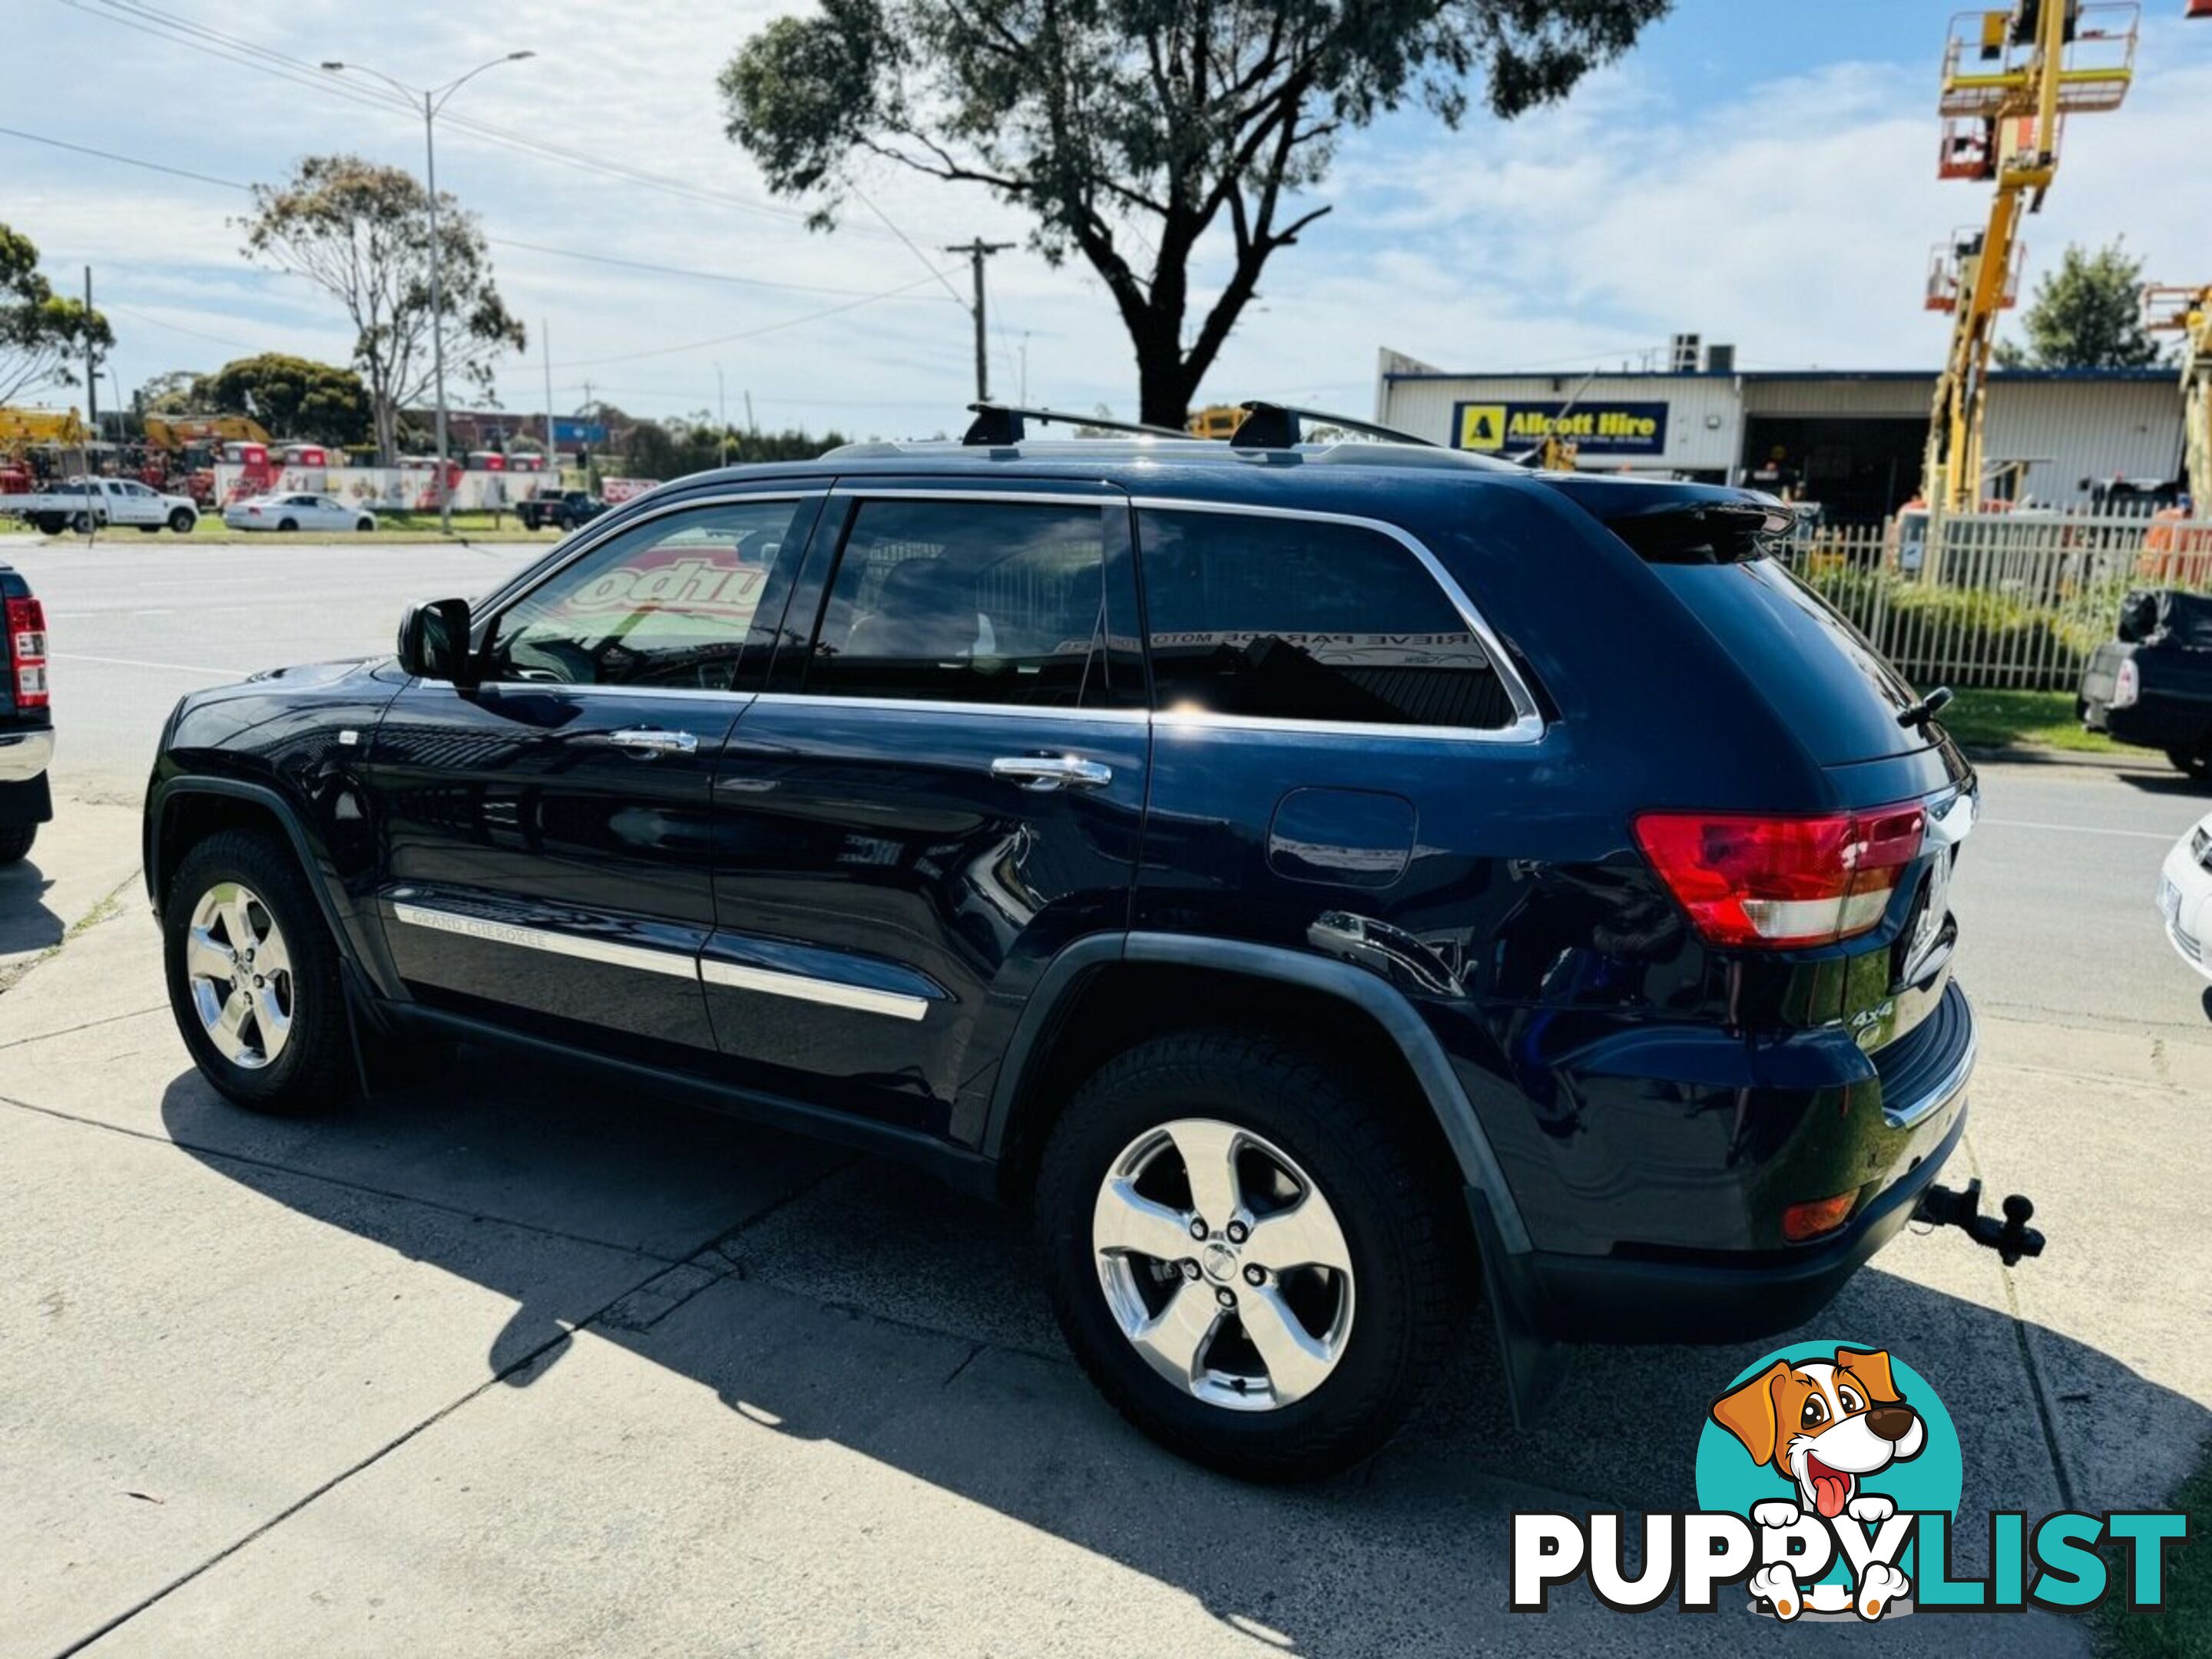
1851, 439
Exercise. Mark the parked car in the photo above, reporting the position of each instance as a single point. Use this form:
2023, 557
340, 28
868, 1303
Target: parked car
2185, 896
27, 724
298, 511
2152, 686
80, 503
561, 509
1444, 876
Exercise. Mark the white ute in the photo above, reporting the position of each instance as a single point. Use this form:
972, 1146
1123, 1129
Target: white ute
80, 503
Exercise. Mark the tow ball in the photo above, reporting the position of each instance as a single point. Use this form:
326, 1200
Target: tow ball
2011, 1238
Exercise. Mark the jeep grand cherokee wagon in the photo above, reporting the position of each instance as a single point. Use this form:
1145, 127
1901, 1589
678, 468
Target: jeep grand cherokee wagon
1332, 886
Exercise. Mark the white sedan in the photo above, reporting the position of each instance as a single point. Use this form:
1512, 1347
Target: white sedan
2185, 896
297, 512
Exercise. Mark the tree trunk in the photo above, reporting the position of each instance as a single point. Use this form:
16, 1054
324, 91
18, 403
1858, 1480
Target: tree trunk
1164, 384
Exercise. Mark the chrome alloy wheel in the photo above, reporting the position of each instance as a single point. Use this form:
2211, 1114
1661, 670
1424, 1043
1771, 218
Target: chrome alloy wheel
240, 974
1223, 1264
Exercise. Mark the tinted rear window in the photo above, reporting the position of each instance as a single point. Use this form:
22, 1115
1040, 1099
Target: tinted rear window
1290, 618
1820, 674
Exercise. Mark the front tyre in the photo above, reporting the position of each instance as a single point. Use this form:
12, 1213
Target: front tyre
16, 841
182, 521
254, 975
1246, 1257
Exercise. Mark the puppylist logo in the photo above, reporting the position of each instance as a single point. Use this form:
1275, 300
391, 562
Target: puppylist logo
1828, 1474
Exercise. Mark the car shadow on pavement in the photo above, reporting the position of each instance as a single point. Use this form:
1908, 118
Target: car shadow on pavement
854, 1302
25, 922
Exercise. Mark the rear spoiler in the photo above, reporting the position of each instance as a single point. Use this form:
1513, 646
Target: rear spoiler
1669, 523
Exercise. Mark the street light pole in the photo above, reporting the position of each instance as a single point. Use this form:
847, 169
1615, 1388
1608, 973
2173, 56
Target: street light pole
722, 412
434, 100
437, 314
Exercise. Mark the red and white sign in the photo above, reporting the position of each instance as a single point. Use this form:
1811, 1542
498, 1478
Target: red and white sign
612, 490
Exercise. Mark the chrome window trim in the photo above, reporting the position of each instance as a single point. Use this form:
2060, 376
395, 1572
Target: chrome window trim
586, 688
598, 534
946, 705
1527, 725
1111, 495
804, 987
651, 959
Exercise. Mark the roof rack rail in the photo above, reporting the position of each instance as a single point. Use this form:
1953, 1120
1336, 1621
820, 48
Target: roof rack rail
1276, 426
998, 424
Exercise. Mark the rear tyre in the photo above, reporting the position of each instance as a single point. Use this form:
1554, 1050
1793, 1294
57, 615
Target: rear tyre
16, 841
52, 523
254, 975
2193, 763
182, 521
1247, 1256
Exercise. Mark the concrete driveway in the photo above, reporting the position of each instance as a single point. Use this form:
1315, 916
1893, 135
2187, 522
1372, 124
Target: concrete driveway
506, 1365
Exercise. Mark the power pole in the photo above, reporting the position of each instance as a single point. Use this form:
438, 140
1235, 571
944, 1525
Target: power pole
91, 374
978, 252
552, 449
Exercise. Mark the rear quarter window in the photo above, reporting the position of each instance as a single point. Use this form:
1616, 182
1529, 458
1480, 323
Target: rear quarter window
1303, 619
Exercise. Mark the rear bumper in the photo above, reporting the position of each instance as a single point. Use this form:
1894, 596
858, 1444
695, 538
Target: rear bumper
1674, 1294
25, 755
1616, 1299
2154, 721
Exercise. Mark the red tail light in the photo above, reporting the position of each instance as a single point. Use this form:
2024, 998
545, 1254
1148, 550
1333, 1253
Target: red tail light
27, 652
1748, 880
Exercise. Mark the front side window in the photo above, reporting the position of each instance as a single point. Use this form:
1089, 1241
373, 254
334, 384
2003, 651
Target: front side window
1306, 620
669, 603
966, 602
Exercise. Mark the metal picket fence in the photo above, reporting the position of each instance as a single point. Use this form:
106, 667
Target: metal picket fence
2016, 600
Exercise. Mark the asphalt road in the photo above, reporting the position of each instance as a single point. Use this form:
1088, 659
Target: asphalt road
2054, 893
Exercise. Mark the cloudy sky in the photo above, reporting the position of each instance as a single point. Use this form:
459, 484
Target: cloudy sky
1759, 171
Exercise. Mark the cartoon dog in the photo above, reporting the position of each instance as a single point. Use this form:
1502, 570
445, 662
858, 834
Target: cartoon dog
1825, 1427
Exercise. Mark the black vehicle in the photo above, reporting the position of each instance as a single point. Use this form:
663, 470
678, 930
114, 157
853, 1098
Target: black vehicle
26, 723
562, 510
2152, 685
1320, 881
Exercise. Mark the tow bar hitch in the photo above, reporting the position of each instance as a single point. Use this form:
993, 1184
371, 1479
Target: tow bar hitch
2011, 1238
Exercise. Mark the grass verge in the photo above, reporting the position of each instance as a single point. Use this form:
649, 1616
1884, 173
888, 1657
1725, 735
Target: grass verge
2182, 1629
2010, 719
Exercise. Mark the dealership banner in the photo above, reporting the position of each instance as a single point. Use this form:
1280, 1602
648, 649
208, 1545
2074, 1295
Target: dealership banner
1595, 428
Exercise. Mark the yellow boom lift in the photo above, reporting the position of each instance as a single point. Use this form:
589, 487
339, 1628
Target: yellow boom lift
2010, 78
2188, 312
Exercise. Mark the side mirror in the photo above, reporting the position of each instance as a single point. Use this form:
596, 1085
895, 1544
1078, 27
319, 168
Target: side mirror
434, 643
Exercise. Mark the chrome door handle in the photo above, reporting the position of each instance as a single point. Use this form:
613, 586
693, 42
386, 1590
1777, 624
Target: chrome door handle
1053, 771
647, 741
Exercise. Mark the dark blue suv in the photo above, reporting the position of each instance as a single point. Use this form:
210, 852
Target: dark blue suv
1333, 885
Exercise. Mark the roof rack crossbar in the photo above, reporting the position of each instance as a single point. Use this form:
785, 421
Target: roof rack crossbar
1277, 425
998, 424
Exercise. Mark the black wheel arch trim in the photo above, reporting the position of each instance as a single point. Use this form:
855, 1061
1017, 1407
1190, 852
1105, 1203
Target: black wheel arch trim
1479, 1169
357, 947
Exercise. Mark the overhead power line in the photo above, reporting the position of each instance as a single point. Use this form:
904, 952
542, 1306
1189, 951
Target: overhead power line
189, 32
497, 241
